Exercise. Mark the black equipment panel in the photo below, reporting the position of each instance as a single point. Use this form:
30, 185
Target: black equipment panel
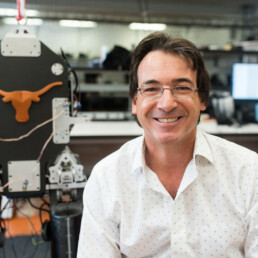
29, 74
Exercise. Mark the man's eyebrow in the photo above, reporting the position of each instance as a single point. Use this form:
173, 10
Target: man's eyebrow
175, 81
179, 80
152, 81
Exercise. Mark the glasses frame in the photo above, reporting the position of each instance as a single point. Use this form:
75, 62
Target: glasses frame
172, 91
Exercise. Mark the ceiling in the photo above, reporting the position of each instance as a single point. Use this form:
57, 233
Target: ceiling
215, 13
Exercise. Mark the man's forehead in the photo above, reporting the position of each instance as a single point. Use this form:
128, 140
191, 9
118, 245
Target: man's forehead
159, 65
158, 56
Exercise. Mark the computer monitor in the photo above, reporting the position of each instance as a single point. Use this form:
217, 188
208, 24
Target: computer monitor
245, 81
245, 90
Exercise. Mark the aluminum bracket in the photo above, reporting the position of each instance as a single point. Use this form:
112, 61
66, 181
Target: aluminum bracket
62, 120
24, 176
20, 42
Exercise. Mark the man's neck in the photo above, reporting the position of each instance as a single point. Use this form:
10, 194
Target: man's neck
169, 163
169, 154
168, 157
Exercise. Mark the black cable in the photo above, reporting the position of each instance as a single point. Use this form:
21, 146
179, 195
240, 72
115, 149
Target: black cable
36, 248
75, 78
12, 241
7, 227
3, 227
32, 236
36, 244
45, 201
40, 212
9, 200
2, 232
28, 217
3, 252
38, 208
72, 70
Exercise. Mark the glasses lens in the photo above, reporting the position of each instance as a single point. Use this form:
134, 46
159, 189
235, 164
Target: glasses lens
151, 91
157, 90
183, 91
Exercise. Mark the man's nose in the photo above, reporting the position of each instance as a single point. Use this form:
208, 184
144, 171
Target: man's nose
167, 101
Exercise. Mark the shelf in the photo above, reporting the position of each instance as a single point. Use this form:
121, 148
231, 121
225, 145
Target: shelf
93, 70
94, 87
227, 52
106, 115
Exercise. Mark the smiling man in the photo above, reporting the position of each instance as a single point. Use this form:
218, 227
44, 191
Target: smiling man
175, 191
168, 109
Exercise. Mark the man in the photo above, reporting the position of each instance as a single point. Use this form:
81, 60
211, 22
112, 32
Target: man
176, 191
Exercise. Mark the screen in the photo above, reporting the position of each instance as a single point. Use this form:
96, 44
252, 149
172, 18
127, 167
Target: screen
256, 112
245, 81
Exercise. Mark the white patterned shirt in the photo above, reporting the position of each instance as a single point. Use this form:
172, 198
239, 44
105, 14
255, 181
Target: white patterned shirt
129, 213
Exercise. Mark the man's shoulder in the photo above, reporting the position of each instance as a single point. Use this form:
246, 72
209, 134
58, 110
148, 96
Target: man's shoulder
227, 147
125, 153
115, 172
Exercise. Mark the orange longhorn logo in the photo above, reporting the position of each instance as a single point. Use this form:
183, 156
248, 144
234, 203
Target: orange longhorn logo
21, 100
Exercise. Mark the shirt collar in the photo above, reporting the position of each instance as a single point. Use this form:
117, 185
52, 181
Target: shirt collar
139, 158
201, 147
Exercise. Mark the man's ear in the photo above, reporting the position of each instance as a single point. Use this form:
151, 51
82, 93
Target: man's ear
202, 107
134, 108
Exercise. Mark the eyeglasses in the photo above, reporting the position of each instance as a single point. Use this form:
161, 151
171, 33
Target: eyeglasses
155, 91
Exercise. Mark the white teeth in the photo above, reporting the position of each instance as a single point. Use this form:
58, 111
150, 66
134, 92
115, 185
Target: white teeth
167, 120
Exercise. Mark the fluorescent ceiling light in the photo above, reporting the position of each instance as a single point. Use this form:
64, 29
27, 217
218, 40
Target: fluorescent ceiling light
147, 26
13, 21
75, 23
13, 12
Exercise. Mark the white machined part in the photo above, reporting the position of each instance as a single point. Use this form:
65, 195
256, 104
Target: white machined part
66, 169
20, 42
62, 120
57, 69
24, 176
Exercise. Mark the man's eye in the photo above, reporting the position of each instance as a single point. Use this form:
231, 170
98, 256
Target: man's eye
183, 89
152, 89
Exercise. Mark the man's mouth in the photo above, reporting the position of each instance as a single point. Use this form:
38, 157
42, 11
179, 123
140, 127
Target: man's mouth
168, 120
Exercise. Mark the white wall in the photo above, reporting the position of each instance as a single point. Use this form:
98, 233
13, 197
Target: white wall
89, 41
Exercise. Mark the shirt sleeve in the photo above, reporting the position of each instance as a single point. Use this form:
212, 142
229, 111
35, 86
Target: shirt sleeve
99, 235
251, 243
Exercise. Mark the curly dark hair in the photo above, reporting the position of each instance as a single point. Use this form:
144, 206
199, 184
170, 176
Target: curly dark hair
174, 45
